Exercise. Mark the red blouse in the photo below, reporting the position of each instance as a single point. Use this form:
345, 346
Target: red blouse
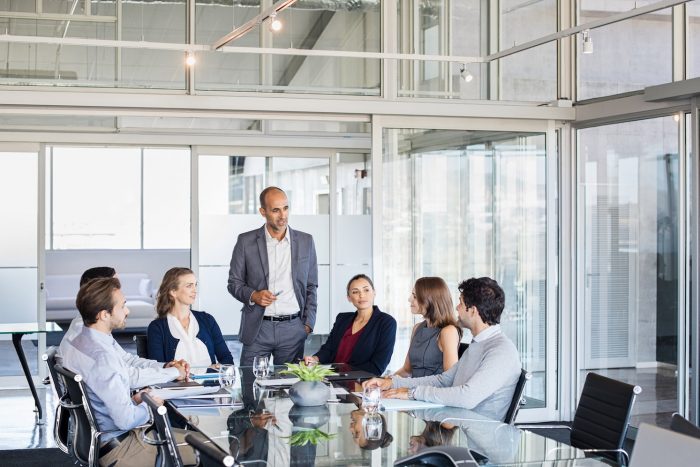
347, 344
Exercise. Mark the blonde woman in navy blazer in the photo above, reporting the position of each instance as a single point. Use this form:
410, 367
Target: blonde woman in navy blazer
173, 333
363, 339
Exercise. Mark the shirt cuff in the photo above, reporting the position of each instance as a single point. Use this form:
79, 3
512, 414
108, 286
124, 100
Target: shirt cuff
171, 372
250, 299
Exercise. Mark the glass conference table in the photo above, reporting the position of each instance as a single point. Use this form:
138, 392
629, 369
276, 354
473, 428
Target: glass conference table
18, 330
262, 427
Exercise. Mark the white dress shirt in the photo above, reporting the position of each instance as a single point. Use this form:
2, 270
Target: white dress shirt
279, 261
189, 347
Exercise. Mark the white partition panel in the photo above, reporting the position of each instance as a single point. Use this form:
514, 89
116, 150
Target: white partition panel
218, 235
18, 286
19, 188
215, 299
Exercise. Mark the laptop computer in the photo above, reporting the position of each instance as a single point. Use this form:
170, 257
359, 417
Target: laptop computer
656, 447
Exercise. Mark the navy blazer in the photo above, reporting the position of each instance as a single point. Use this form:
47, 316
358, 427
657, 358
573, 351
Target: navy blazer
162, 344
373, 349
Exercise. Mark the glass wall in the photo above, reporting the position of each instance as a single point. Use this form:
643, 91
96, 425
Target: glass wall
461, 204
142, 202
627, 56
333, 26
628, 325
229, 186
692, 48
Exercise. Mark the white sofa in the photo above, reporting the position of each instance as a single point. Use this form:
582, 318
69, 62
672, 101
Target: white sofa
61, 291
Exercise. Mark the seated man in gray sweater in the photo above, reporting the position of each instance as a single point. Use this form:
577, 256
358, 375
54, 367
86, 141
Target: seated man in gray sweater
485, 376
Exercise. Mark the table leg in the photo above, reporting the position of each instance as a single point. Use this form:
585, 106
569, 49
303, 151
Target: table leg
17, 341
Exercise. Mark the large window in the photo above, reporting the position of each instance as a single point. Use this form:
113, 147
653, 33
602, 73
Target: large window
461, 204
629, 288
118, 198
627, 56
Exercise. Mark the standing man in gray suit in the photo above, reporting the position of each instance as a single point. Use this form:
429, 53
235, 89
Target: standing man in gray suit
275, 275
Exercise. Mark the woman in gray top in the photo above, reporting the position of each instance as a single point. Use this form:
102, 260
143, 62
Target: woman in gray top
435, 340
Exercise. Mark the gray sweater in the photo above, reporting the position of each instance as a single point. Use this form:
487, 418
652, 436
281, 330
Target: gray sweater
483, 380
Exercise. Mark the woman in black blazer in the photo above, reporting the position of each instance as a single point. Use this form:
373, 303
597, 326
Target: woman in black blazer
363, 339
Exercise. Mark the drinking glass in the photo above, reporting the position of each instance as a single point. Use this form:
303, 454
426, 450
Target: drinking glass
227, 376
372, 426
261, 366
370, 398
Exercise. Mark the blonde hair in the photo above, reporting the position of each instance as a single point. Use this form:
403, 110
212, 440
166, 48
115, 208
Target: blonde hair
171, 280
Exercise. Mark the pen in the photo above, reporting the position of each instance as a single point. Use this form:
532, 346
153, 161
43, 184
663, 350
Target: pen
278, 293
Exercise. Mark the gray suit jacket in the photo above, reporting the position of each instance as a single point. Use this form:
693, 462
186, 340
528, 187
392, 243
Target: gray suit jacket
249, 272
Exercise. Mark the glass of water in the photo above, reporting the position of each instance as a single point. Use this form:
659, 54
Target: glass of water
261, 366
370, 398
372, 426
227, 376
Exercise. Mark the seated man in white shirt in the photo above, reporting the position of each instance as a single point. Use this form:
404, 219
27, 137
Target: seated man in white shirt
485, 377
142, 372
96, 356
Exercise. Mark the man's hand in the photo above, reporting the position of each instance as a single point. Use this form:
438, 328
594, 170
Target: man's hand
263, 298
400, 393
182, 367
308, 329
310, 360
381, 383
137, 397
260, 420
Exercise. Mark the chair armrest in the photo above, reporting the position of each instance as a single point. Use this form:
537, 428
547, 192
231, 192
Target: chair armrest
620, 450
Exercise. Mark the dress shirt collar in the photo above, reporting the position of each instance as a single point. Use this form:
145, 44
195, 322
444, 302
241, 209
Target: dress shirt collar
99, 336
269, 238
490, 331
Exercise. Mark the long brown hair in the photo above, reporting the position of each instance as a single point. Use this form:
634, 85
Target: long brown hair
164, 301
435, 299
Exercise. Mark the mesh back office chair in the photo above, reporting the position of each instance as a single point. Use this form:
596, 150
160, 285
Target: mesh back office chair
462, 348
85, 439
518, 399
208, 453
602, 417
141, 341
61, 426
162, 436
680, 424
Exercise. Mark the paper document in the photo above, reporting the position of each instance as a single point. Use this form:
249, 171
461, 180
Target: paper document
179, 393
276, 382
403, 404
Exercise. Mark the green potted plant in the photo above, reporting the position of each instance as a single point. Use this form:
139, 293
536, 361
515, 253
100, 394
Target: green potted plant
310, 390
304, 436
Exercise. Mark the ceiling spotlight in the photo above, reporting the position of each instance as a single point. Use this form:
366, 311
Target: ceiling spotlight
275, 24
587, 42
191, 59
465, 74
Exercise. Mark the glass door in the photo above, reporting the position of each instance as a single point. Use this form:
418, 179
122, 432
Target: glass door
631, 274
461, 203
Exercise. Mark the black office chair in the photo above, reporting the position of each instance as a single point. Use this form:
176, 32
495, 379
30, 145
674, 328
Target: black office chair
518, 399
162, 436
208, 453
61, 426
85, 438
602, 417
141, 341
463, 346
682, 425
